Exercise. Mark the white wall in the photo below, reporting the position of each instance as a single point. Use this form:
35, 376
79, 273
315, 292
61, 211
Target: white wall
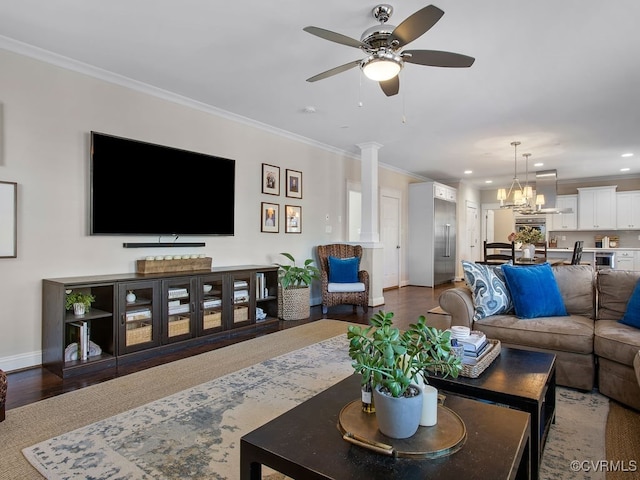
48, 112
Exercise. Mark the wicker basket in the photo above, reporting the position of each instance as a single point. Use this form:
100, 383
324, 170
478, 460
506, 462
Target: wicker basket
179, 326
240, 314
474, 371
294, 303
138, 333
212, 320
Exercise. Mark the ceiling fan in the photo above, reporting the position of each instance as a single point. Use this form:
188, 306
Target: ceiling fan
382, 44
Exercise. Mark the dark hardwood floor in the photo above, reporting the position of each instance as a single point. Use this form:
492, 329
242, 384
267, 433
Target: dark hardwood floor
407, 303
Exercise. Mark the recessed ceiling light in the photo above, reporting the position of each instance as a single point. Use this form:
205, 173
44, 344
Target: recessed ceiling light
468, 172
626, 169
626, 155
539, 164
488, 181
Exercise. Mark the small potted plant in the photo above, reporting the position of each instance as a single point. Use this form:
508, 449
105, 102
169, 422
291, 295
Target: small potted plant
392, 361
79, 301
294, 281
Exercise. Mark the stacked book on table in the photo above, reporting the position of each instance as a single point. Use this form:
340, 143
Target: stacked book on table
475, 347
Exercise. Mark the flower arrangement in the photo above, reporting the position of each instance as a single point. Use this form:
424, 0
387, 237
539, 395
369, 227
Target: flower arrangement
526, 235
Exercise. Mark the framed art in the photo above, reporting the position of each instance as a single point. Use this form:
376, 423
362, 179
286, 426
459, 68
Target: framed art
269, 214
8, 219
294, 183
293, 216
270, 179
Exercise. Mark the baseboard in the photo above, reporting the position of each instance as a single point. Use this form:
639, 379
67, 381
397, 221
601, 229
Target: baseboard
19, 362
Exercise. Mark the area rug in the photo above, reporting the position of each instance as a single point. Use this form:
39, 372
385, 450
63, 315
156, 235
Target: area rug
195, 433
577, 438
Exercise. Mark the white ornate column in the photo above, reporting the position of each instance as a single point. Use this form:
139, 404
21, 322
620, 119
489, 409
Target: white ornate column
373, 255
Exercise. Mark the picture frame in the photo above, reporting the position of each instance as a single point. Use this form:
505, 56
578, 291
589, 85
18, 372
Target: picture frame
270, 179
293, 219
8, 219
293, 186
269, 217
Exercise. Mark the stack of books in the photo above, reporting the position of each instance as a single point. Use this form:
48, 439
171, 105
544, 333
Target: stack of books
475, 347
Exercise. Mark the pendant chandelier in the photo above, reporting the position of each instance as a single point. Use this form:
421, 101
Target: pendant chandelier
521, 195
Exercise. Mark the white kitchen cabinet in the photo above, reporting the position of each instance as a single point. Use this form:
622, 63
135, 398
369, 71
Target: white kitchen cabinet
626, 260
597, 208
628, 210
565, 221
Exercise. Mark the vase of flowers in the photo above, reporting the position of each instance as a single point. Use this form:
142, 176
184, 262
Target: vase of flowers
527, 237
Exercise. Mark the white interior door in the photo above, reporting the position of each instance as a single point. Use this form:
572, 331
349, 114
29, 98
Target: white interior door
472, 241
390, 238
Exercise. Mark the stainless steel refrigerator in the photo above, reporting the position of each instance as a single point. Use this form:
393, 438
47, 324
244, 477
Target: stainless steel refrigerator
432, 234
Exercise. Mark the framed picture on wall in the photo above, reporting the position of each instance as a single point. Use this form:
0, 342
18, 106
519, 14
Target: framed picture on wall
8, 219
294, 184
270, 179
269, 214
293, 216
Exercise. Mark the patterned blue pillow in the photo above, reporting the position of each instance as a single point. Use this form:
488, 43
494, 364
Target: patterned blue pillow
490, 293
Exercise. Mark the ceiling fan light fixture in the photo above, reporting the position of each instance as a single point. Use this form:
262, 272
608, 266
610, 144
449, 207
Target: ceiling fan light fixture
382, 66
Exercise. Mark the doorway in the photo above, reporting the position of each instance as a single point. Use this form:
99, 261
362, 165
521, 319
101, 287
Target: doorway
390, 237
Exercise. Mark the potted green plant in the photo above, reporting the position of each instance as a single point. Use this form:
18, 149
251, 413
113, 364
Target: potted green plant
79, 301
527, 236
392, 361
294, 281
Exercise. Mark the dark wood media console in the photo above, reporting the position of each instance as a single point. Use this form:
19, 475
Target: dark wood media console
138, 316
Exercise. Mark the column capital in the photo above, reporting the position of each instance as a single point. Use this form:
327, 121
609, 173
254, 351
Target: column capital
369, 145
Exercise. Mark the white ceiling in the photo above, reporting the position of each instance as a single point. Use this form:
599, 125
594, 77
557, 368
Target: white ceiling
561, 76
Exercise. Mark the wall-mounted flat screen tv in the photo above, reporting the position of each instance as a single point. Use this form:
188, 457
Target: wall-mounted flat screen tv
140, 188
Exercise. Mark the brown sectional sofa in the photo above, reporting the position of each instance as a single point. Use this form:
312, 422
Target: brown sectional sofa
591, 346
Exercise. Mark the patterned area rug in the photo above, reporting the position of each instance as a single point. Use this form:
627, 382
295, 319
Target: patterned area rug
195, 433
577, 438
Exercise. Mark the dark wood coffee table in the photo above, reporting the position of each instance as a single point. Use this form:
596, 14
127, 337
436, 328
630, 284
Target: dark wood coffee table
304, 443
517, 378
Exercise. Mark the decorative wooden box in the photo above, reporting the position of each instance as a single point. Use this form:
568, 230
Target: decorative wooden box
181, 265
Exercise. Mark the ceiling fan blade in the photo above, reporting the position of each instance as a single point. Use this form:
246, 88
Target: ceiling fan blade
415, 25
391, 87
334, 71
437, 58
334, 37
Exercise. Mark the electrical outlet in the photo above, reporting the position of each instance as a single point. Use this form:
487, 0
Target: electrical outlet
328, 229
564, 237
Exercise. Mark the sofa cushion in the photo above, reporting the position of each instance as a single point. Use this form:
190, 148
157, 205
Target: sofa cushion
614, 290
573, 333
343, 270
490, 294
632, 313
534, 291
616, 341
577, 287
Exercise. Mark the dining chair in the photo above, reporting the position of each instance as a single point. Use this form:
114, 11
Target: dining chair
540, 251
493, 257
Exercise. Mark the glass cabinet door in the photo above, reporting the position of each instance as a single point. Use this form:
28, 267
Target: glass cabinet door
139, 315
243, 307
212, 293
179, 296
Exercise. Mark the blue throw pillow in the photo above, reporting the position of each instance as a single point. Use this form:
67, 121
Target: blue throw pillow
344, 270
631, 316
534, 291
489, 290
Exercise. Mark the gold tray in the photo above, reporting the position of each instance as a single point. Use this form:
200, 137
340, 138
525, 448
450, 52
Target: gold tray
444, 438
